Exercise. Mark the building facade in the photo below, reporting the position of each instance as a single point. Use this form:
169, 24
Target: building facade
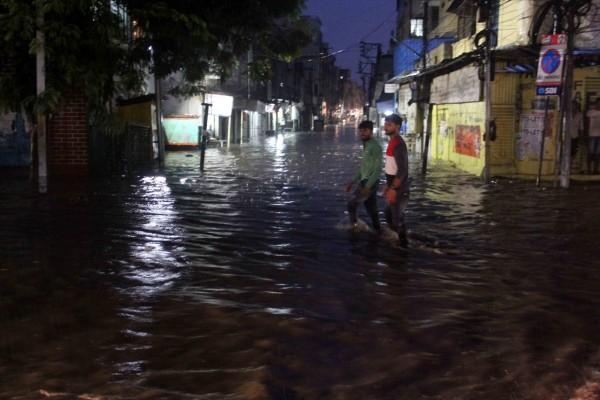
454, 87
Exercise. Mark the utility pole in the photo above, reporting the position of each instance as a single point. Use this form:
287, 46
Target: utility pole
159, 130
487, 89
203, 134
369, 54
538, 181
425, 91
566, 111
41, 127
556, 16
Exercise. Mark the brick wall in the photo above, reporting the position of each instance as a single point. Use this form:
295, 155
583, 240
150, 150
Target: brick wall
68, 137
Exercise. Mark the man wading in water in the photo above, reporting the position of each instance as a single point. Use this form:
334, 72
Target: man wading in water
367, 178
396, 173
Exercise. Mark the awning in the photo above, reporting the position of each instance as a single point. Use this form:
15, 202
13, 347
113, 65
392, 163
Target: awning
586, 52
439, 69
519, 55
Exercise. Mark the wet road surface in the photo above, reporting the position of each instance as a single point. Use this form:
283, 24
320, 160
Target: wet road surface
236, 284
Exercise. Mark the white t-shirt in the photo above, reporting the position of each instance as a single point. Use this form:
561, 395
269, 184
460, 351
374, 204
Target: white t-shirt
576, 125
594, 116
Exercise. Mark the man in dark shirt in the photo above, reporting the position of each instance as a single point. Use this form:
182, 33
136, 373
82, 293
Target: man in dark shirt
396, 172
367, 177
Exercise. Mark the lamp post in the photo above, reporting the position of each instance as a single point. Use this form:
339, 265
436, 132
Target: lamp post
203, 134
41, 117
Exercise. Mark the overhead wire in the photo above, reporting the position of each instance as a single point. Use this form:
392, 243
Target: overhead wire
366, 36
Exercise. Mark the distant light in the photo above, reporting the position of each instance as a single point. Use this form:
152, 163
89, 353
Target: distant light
342, 77
388, 113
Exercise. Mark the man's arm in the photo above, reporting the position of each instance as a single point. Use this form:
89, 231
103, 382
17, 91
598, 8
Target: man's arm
401, 156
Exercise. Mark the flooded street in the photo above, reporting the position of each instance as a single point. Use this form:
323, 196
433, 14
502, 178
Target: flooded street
238, 284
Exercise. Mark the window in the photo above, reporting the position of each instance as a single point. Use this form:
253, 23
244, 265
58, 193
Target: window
435, 17
125, 24
416, 27
467, 22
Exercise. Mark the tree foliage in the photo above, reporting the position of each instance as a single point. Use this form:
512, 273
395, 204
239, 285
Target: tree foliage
89, 44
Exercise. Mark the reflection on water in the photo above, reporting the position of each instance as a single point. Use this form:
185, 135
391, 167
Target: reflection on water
235, 283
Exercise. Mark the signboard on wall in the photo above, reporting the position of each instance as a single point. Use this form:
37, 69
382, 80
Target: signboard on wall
462, 86
468, 140
550, 65
404, 96
221, 105
528, 138
181, 131
390, 88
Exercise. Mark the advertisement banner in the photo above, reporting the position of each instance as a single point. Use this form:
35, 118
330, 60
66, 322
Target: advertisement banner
468, 140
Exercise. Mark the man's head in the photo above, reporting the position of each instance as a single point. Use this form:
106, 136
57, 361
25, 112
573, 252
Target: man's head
392, 124
365, 129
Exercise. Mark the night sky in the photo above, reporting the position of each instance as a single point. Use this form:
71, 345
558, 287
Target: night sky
347, 22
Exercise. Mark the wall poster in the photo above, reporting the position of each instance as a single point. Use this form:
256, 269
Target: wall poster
468, 140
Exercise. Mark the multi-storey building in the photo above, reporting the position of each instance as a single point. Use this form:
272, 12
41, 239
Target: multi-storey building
453, 79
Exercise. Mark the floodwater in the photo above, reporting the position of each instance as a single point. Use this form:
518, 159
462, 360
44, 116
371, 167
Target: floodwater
237, 284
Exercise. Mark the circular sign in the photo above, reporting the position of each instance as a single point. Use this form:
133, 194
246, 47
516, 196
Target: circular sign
551, 61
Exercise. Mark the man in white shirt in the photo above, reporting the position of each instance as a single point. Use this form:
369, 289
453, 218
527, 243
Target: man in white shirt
594, 137
576, 127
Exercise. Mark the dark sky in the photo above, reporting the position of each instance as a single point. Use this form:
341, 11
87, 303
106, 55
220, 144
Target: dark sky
347, 22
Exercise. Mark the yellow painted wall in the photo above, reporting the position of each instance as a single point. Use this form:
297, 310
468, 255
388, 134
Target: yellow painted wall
512, 96
586, 80
446, 118
462, 46
504, 112
139, 114
529, 166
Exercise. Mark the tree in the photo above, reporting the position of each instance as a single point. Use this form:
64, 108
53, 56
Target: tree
106, 47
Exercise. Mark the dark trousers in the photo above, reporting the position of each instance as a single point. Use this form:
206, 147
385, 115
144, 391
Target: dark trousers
370, 202
395, 214
574, 146
593, 154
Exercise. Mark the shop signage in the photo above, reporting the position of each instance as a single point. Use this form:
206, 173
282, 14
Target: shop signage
391, 87
404, 96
